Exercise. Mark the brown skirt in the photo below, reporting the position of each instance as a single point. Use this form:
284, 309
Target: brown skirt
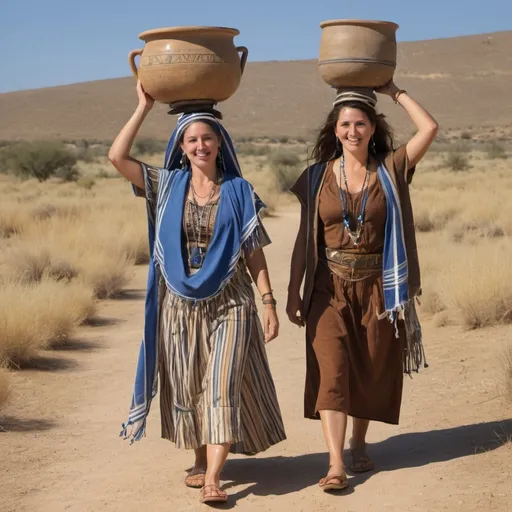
354, 360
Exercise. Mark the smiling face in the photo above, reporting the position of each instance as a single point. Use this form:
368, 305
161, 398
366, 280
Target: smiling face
201, 144
354, 130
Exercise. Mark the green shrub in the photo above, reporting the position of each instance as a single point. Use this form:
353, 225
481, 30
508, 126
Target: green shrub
40, 160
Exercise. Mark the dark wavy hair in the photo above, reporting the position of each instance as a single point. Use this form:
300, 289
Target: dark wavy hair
325, 147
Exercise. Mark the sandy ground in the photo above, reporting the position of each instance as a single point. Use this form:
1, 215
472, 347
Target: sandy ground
61, 450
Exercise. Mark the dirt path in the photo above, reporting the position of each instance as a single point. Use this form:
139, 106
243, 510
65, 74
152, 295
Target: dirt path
61, 451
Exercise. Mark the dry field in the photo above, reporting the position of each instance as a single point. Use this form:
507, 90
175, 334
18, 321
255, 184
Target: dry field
64, 246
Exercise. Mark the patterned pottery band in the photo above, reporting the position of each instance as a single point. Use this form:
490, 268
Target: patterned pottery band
358, 60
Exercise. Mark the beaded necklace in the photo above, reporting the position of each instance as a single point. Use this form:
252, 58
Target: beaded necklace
355, 235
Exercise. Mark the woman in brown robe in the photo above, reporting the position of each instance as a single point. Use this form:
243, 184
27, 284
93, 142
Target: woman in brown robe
355, 355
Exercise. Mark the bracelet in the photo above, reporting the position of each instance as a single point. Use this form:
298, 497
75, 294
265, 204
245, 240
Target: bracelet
268, 293
397, 94
271, 302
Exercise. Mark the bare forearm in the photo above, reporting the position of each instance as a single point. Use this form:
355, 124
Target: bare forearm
119, 153
298, 263
257, 265
426, 125
297, 268
419, 116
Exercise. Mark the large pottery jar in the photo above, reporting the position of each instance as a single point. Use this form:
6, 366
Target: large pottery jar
357, 53
180, 64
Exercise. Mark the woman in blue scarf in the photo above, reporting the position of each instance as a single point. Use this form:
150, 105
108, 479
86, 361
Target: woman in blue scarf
361, 272
202, 335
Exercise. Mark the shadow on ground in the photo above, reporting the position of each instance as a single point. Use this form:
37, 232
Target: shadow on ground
283, 475
13, 424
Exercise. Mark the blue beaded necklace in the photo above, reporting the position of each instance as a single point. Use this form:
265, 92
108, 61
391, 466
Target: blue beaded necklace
355, 235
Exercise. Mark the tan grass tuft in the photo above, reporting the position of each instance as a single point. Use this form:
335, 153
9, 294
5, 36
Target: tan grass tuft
477, 284
4, 387
506, 365
35, 316
107, 276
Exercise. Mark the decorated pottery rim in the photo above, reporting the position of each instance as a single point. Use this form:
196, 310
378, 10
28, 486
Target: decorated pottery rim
330, 23
173, 31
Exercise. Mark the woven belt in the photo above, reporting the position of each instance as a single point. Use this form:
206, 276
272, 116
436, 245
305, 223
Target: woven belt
351, 266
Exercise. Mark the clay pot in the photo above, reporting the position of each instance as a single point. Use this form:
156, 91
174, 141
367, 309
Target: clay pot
179, 64
357, 53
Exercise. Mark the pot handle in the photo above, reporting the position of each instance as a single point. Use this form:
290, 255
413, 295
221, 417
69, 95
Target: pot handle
131, 60
243, 57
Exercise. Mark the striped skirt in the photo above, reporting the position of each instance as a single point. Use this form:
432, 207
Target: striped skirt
215, 381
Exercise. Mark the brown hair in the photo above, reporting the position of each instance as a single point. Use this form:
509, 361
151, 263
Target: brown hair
326, 148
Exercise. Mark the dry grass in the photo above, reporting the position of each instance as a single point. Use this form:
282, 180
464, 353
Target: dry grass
464, 229
4, 387
34, 317
506, 365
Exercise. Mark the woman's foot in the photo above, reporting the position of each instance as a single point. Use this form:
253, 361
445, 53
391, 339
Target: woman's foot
195, 478
212, 493
359, 460
335, 480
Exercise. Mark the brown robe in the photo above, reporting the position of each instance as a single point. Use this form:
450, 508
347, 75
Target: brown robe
354, 360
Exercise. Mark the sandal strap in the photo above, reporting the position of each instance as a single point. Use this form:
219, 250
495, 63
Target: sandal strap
330, 478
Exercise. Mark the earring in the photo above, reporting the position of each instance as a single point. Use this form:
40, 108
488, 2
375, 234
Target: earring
372, 145
184, 161
338, 146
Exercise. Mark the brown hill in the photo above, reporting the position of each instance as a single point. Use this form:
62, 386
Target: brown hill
463, 81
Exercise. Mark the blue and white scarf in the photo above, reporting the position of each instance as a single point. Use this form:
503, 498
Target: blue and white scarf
397, 302
236, 222
394, 264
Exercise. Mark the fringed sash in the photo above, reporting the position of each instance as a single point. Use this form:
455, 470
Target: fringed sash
395, 273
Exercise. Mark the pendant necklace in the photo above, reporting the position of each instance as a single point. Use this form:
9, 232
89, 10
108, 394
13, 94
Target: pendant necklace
197, 253
355, 235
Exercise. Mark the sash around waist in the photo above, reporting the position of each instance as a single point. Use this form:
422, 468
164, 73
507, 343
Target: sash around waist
349, 265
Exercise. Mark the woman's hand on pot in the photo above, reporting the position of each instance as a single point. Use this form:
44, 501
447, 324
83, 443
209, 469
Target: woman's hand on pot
295, 309
145, 100
270, 323
389, 89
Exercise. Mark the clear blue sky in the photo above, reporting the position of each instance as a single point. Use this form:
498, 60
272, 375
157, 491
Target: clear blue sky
54, 42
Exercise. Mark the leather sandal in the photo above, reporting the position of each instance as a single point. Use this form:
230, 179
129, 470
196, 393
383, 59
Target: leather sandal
333, 482
213, 494
360, 462
195, 478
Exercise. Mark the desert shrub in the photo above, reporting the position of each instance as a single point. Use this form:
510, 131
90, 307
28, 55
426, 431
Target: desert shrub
286, 166
250, 149
457, 160
147, 146
284, 158
40, 160
495, 150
